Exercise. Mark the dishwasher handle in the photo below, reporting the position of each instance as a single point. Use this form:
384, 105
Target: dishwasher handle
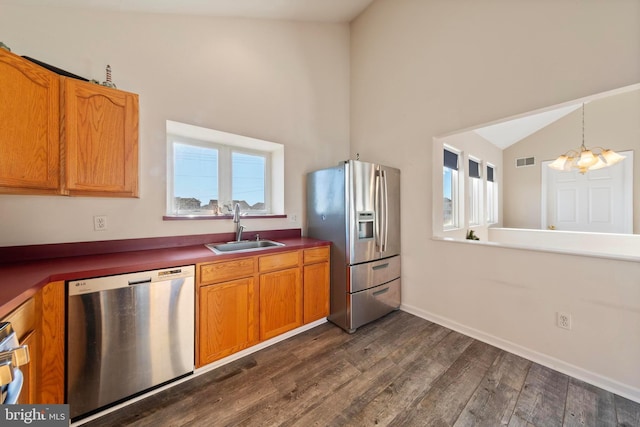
139, 281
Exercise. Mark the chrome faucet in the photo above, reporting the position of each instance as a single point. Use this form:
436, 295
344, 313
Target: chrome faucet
236, 219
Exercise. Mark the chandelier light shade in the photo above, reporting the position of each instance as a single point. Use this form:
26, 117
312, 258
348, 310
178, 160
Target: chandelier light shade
585, 159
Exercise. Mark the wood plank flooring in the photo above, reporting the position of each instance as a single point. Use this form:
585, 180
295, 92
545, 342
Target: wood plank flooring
398, 371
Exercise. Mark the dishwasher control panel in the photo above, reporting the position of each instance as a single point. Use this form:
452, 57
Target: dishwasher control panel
105, 283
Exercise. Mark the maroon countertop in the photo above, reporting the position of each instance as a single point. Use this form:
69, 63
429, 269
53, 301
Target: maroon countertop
21, 279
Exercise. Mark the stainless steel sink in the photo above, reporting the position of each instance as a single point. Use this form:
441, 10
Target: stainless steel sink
242, 246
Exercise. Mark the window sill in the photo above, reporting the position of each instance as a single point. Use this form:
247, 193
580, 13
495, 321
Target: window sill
215, 217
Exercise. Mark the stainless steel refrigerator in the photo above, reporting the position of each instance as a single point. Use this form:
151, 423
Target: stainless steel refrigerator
356, 205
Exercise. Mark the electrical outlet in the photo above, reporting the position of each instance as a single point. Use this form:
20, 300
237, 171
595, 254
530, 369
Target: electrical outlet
99, 223
563, 320
293, 218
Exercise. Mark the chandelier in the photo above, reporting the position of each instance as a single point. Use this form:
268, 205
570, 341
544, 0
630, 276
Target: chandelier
585, 159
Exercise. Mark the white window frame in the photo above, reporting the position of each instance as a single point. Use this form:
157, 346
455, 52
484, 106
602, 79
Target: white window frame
227, 144
492, 196
476, 194
456, 191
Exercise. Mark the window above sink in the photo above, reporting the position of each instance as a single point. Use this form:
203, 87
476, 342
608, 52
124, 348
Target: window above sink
209, 171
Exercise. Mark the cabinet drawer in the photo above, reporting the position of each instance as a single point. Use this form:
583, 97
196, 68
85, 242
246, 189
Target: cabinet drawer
316, 254
226, 270
369, 274
278, 261
374, 303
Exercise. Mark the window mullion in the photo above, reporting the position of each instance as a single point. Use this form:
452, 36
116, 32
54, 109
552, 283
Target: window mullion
225, 177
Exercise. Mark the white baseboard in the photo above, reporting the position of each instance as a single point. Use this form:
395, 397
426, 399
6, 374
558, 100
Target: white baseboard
593, 378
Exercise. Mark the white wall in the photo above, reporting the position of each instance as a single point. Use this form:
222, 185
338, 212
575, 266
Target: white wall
426, 68
279, 81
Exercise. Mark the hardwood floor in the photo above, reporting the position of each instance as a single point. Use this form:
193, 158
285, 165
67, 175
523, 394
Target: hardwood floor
399, 371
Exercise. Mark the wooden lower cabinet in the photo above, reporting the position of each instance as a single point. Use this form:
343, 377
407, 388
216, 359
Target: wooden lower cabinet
316, 272
280, 302
50, 362
228, 318
249, 299
316, 291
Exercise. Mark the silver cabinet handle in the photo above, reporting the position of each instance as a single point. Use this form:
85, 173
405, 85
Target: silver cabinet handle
380, 292
381, 266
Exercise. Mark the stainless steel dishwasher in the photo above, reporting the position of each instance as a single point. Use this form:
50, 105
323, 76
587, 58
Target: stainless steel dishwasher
127, 334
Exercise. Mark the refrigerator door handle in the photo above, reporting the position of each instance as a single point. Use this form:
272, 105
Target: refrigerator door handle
385, 209
377, 206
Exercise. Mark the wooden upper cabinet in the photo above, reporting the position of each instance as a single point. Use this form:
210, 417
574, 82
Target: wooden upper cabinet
29, 127
60, 135
100, 135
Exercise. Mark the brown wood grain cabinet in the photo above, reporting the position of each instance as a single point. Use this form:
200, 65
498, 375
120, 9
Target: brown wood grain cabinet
100, 135
229, 318
315, 278
227, 308
64, 136
280, 302
254, 298
280, 293
30, 130
51, 364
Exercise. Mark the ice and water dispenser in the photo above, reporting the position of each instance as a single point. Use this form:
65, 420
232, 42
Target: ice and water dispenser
365, 225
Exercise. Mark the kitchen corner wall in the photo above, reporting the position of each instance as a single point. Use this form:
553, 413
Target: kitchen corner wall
424, 68
279, 81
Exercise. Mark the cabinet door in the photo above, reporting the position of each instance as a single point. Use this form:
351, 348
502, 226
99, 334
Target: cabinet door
280, 302
227, 319
100, 135
29, 134
316, 291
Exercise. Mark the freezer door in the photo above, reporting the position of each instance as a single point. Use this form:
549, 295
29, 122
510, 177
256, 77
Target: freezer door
371, 304
374, 273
